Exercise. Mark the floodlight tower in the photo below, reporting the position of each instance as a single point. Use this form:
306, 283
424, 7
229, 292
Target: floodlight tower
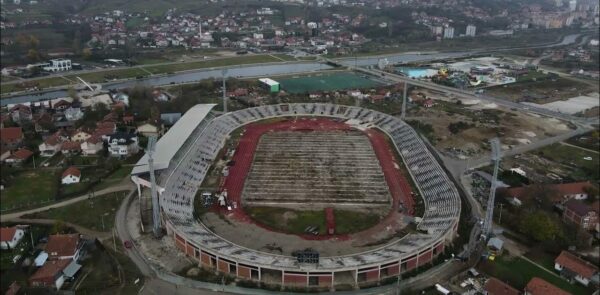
489, 211
155, 202
403, 115
224, 72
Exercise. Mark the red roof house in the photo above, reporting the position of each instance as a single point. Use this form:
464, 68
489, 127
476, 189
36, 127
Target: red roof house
563, 191
50, 275
537, 286
71, 175
19, 156
581, 214
494, 286
11, 137
573, 267
63, 247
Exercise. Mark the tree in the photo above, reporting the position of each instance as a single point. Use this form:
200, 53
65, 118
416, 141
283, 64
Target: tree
33, 55
59, 227
539, 226
86, 53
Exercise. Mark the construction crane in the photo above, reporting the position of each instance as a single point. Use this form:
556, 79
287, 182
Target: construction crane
489, 211
156, 223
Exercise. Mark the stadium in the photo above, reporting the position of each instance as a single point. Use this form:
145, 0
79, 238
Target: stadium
321, 157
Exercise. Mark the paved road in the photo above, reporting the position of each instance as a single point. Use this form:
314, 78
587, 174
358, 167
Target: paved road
122, 187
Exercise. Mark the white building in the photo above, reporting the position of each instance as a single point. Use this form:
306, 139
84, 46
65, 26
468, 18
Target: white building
71, 175
58, 65
470, 31
10, 237
448, 33
122, 144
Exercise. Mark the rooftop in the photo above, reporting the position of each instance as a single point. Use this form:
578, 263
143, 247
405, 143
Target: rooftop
71, 171
538, 286
494, 286
268, 81
7, 233
576, 264
11, 133
49, 270
62, 245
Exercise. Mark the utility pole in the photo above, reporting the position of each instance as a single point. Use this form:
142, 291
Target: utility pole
33, 161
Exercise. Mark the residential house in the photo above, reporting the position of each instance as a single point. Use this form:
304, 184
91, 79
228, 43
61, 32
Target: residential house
122, 144
147, 130
64, 246
10, 237
70, 148
21, 113
50, 275
92, 145
73, 114
11, 137
537, 286
43, 122
80, 135
18, 157
50, 146
71, 175
494, 286
4, 154
573, 267
561, 192
581, 214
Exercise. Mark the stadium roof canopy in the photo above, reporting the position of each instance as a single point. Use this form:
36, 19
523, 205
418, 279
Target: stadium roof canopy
169, 144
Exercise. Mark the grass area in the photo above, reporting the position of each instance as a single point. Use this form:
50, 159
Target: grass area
285, 57
220, 62
128, 73
574, 158
114, 178
517, 272
532, 75
326, 82
90, 213
296, 221
589, 140
350, 221
30, 187
541, 90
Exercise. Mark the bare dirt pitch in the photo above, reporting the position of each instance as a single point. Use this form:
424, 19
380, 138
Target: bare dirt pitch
315, 170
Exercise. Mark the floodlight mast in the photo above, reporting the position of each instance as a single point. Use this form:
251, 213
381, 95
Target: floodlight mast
489, 212
156, 223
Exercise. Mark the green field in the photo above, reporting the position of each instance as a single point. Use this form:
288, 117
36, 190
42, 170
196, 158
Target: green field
517, 272
296, 221
88, 213
30, 188
326, 82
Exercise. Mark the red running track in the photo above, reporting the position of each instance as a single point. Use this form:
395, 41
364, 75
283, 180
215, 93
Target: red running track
244, 155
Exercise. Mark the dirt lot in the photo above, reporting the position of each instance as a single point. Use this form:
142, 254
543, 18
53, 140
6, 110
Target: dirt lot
541, 91
480, 122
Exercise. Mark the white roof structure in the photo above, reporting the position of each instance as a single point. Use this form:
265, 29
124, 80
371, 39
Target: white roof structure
169, 144
268, 81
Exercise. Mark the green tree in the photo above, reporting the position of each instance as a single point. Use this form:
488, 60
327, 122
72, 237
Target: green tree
539, 226
59, 227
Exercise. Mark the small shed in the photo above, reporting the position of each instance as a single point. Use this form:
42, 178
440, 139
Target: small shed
270, 84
